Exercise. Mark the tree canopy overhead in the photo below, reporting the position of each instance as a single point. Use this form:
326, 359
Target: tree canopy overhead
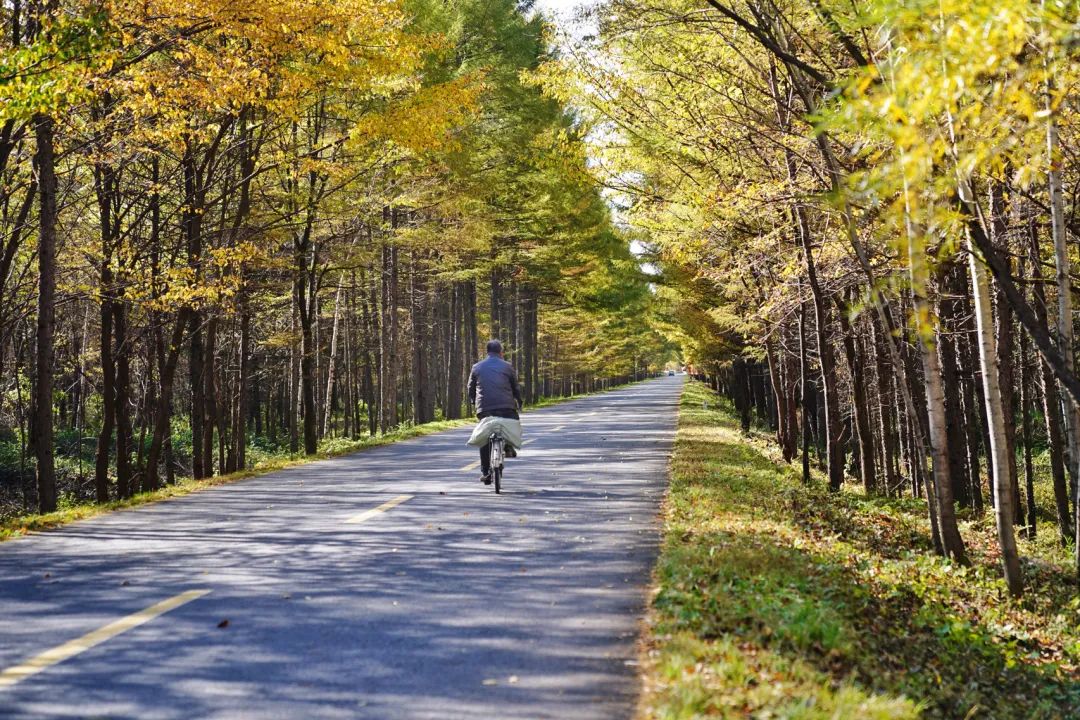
863, 214
275, 226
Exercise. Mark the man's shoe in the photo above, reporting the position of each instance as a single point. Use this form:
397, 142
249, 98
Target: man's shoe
486, 479
510, 451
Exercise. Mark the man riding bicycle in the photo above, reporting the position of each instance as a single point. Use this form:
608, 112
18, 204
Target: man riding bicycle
494, 390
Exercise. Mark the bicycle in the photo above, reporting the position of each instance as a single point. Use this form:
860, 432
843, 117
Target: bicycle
498, 454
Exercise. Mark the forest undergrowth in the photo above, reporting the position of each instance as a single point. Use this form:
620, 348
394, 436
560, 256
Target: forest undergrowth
780, 600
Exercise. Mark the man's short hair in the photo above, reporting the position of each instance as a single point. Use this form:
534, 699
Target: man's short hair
494, 347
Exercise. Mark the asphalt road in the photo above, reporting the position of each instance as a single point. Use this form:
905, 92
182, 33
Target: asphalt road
452, 602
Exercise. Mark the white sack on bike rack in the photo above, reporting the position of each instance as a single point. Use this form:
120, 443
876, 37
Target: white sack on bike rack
510, 428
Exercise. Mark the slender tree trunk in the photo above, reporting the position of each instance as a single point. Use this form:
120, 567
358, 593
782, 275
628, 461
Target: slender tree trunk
834, 450
373, 333
44, 130
1051, 401
161, 437
307, 356
805, 390
1026, 411
388, 367
240, 429
887, 426
124, 485
209, 396
192, 222
1005, 346
972, 395
949, 314
423, 411
108, 377
784, 436
1003, 492
332, 364
294, 370
860, 407
1065, 316
496, 298
458, 341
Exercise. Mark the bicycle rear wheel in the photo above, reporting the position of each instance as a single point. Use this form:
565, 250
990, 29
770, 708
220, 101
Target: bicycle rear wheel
498, 455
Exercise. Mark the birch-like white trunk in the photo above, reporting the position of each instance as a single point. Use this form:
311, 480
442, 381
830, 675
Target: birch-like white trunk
1065, 312
999, 449
333, 364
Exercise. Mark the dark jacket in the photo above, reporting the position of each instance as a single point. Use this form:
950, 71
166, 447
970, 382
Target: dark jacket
493, 385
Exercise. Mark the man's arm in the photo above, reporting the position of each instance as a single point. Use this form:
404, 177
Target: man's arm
517, 387
472, 387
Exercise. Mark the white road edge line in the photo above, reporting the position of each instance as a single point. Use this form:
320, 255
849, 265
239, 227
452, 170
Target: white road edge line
70, 649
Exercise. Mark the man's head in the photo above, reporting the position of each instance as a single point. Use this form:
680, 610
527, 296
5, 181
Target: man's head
494, 347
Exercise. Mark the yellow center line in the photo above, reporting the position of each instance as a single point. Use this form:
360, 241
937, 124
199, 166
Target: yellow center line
529, 441
470, 466
368, 514
72, 648
557, 429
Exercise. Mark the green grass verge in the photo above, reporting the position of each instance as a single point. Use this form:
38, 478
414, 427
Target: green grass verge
22, 524
776, 600
333, 447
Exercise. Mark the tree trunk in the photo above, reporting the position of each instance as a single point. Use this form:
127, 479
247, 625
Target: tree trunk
457, 339
388, 368
834, 451
785, 438
306, 294
168, 361
240, 430
332, 364
1003, 492
209, 395
108, 377
1065, 316
124, 485
805, 390
1005, 346
859, 405
1051, 401
949, 314
423, 408
886, 424
192, 223
293, 411
1026, 411
44, 130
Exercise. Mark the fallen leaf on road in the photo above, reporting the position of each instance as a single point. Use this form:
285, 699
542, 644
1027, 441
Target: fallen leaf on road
223, 624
